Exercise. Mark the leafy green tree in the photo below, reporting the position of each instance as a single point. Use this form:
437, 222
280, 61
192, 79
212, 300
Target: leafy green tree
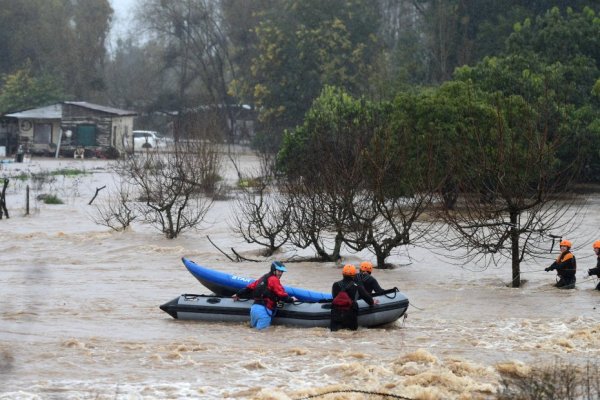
34, 32
21, 90
553, 58
558, 36
240, 20
321, 163
426, 40
303, 45
62, 38
347, 168
84, 69
513, 189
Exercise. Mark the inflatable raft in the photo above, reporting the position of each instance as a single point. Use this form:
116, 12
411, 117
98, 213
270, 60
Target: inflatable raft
392, 305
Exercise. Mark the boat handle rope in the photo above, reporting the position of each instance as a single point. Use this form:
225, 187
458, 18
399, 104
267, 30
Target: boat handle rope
240, 299
380, 394
391, 292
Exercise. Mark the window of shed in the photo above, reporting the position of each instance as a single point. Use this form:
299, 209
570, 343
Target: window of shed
42, 133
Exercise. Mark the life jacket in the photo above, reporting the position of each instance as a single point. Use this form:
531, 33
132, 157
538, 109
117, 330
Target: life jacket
567, 263
261, 290
562, 257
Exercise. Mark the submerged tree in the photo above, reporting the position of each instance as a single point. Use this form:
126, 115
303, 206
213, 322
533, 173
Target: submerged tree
348, 166
262, 217
118, 211
513, 191
173, 186
314, 215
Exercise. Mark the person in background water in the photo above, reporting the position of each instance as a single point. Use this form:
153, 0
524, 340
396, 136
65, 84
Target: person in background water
348, 318
596, 271
367, 280
565, 266
266, 292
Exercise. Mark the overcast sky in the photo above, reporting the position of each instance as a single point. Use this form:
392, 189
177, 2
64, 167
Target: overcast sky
123, 10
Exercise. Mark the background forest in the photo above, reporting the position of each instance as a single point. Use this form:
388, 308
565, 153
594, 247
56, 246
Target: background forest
278, 55
369, 110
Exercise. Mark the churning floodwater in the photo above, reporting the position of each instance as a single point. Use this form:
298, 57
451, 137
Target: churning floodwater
80, 317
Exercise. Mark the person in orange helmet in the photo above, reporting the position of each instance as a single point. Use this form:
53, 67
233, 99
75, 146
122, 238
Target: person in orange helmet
344, 307
368, 280
565, 266
596, 271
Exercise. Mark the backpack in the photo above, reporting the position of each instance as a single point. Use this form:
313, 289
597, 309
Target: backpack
342, 301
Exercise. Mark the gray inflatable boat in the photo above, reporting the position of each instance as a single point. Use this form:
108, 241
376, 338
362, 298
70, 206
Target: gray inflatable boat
392, 305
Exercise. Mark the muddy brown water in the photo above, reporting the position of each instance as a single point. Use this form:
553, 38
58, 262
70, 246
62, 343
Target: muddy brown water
79, 316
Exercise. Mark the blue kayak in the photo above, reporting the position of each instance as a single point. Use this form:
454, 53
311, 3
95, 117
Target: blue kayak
223, 284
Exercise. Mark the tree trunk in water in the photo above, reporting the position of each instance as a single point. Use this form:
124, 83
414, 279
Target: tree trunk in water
337, 248
381, 260
514, 240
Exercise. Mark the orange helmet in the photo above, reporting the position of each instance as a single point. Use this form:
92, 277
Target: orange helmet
596, 244
349, 270
366, 266
566, 243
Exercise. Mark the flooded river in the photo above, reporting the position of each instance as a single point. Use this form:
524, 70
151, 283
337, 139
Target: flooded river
80, 317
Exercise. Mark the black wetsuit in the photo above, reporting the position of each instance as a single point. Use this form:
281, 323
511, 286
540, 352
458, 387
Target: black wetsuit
369, 282
348, 319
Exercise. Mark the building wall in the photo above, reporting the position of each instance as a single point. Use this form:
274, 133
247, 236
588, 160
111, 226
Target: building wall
74, 116
122, 139
111, 130
27, 139
9, 131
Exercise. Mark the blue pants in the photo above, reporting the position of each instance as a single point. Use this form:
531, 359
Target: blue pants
260, 316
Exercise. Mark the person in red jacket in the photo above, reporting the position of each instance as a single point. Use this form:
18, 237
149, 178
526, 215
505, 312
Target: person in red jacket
565, 266
266, 292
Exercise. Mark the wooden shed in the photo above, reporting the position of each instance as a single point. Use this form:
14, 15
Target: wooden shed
75, 126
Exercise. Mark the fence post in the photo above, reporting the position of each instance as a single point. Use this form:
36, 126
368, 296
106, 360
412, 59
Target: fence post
27, 200
3, 208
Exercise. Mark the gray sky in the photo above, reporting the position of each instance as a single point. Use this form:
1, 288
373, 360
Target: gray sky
123, 10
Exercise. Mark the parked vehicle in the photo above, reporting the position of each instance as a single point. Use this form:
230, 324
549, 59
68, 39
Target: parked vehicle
143, 140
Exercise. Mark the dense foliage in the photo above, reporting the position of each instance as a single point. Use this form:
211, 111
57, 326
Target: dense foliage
59, 46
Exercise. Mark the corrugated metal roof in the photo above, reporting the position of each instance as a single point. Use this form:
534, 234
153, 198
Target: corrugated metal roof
54, 111
49, 112
108, 110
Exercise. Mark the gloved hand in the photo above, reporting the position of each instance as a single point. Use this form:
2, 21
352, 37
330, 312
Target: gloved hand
589, 272
548, 269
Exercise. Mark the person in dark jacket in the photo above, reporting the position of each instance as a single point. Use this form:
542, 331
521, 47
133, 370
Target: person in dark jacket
342, 318
368, 280
596, 271
565, 266
266, 292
